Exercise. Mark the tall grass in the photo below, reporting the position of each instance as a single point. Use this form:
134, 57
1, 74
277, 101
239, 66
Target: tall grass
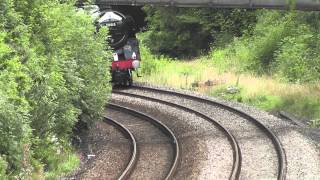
263, 92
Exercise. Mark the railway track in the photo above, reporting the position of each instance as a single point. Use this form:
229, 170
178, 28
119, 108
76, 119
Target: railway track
157, 95
130, 166
143, 125
110, 142
236, 169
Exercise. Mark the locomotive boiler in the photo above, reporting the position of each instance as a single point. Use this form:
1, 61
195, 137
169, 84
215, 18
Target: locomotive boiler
126, 53
122, 40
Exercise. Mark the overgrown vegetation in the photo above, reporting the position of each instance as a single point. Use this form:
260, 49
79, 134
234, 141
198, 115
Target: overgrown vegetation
282, 44
187, 32
279, 48
263, 92
53, 72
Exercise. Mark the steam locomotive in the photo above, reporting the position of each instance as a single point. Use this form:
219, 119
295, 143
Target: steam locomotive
123, 41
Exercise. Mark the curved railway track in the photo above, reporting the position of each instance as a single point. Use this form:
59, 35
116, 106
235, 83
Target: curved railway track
121, 151
236, 169
130, 166
281, 172
162, 127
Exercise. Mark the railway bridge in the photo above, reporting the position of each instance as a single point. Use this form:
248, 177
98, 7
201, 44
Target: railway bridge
133, 7
307, 5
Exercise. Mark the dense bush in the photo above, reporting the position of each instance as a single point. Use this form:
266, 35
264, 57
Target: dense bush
151, 63
185, 32
282, 43
298, 58
54, 71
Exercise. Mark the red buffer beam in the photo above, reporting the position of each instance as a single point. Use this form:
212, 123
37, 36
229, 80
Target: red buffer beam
308, 5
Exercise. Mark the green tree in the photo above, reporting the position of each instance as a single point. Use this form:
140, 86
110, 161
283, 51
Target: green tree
179, 32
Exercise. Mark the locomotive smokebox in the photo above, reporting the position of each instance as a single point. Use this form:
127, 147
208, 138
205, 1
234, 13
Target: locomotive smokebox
122, 31
121, 27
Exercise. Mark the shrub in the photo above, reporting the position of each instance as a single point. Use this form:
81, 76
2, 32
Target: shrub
296, 60
14, 119
54, 71
3, 168
254, 51
282, 43
151, 63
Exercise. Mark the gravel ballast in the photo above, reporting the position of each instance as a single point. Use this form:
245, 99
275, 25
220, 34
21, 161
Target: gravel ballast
300, 145
155, 152
259, 158
205, 150
110, 151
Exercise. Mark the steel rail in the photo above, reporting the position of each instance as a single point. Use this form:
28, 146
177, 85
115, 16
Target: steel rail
237, 158
125, 174
282, 161
162, 127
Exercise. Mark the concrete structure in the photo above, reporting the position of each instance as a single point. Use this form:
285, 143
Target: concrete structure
309, 5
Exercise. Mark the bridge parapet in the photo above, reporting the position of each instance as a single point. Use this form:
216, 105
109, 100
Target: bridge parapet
310, 5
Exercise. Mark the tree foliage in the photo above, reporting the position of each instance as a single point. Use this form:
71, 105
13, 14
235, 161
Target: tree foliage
189, 31
282, 43
54, 71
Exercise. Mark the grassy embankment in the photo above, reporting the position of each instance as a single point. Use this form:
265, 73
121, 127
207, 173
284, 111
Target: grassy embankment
263, 92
